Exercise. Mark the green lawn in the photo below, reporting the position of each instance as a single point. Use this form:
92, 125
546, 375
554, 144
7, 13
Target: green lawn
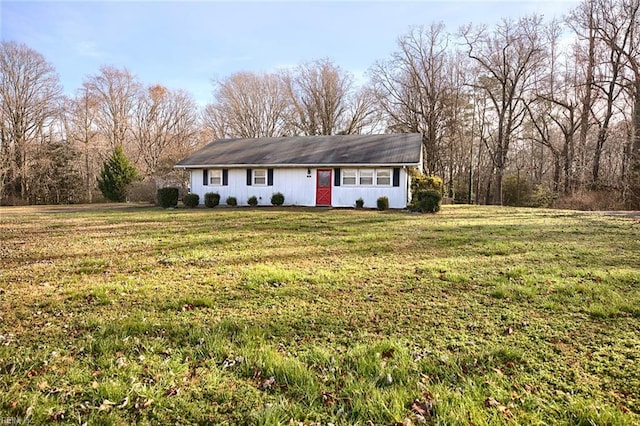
476, 315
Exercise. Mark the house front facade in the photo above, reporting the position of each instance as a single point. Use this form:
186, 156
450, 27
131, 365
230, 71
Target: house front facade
308, 170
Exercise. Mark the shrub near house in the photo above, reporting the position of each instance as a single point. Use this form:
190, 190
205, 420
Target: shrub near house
427, 193
211, 199
427, 201
191, 200
382, 203
167, 197
277, 199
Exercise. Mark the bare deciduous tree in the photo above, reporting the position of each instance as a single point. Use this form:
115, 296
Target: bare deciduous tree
81, 129
248, 105
362, 115
555, 107
413, 88
459, 132
582, 21
320, 95
618, 27
115, 90
507, 60
29, 102
164, 127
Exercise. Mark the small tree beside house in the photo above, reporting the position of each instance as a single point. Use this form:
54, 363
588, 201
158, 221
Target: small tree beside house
116, 175
426, 193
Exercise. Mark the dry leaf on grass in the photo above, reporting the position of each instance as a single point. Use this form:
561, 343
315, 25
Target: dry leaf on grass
424, 407
268, 383
494, 403
106, 405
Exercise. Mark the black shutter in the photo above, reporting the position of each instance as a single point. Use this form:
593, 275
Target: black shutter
249, 177
396, 176
205, 177
225, 177
336, 177
270, 177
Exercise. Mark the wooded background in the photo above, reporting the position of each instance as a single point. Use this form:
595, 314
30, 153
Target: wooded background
529, 112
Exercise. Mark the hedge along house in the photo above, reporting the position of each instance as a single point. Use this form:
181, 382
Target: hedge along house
308, 170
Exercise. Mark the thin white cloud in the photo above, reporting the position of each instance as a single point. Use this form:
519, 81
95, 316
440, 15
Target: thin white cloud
89, 49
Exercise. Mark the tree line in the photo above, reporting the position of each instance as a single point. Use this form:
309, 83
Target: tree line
528, 111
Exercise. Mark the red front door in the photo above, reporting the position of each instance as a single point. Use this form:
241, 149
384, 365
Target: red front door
323, 187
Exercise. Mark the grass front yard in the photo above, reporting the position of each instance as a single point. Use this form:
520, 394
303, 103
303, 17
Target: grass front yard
476, 315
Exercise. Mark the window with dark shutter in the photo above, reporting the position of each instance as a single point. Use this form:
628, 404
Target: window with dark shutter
396, 176
225, 177
249, 177
205, 177
270, 177
336, 177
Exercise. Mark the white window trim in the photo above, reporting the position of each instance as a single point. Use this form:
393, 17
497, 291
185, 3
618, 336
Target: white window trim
254, 176
372, 175
218, 174
390, 177
355, 177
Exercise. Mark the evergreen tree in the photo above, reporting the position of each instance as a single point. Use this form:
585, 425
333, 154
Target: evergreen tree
116, 175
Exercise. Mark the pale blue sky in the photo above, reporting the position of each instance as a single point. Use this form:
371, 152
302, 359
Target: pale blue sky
184, 45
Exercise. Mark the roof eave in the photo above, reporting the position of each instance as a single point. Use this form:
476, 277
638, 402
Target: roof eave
292, 166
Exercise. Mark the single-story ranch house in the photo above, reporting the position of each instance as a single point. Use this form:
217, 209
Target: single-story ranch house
308, 170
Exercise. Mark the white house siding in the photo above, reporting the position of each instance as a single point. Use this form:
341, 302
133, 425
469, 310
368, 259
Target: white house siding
346, 196
299, 189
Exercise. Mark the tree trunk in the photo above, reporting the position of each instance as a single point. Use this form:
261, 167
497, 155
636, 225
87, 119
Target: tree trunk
500, 167
478, 168
489, 179
587, 101
634, 196
597, 154
567, 153
497, 198
87, 168
21, 172
556, 172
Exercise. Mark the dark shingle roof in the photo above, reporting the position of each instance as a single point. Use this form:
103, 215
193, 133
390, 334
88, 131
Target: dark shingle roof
395, 149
